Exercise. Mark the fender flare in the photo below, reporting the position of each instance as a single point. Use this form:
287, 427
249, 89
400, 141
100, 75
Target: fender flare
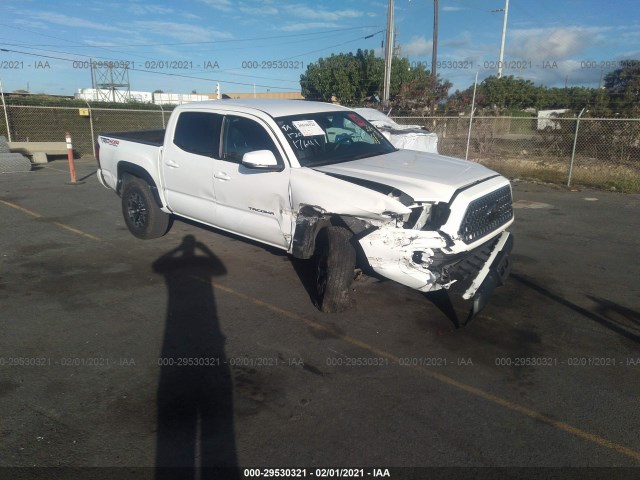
128, 168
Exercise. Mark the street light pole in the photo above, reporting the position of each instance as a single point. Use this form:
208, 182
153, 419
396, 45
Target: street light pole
504, 34
434, 50
575, 141
388, 56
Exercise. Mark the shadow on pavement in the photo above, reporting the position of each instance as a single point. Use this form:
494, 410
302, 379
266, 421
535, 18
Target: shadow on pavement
617, 313
195, 436
305, 269
601, 317
442, 300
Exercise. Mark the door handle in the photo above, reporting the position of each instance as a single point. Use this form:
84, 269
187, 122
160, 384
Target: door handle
221, 176
172, 164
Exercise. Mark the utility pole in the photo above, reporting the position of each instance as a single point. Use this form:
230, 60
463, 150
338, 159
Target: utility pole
93, 78
434, 51
388, 56
434, 55
504, 34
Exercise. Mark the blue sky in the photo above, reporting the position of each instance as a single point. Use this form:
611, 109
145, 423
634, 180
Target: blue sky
181, 46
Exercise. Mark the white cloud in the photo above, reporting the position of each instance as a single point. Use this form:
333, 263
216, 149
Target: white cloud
309, 16
297, 27
555, 75
137, 8
417, 46
184, 32
629, 54
69, 21
145, 9
94, 43
224, 5
30, 23
260, 10
551, 44
451, 9
311, 13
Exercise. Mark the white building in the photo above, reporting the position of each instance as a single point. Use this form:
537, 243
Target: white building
97, 95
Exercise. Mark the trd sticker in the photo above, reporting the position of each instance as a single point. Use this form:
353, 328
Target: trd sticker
110, 141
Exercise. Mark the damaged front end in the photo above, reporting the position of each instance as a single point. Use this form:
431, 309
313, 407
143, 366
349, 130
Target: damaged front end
461, 246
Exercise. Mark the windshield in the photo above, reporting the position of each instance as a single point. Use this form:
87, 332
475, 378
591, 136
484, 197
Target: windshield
332, 137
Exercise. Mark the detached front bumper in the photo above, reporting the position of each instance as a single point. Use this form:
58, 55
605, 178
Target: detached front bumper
494, 273
416, 259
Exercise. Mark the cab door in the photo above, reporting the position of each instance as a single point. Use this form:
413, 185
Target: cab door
252, 202
188, 163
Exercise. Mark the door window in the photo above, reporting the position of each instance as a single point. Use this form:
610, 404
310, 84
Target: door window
199, 133
242, 135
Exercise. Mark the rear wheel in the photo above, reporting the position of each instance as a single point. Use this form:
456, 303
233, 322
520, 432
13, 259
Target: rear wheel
335, 263
141, 212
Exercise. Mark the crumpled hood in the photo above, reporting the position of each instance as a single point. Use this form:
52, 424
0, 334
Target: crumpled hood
423, 176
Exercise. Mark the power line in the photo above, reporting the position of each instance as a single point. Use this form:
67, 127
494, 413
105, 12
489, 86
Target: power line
332, 46
135, 69
108, 48
150, 71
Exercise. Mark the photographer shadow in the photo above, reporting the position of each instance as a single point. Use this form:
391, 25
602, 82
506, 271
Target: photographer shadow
195, 390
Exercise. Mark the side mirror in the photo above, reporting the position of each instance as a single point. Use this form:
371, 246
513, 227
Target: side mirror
261, 160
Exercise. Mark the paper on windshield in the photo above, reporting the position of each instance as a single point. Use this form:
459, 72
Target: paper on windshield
308, 128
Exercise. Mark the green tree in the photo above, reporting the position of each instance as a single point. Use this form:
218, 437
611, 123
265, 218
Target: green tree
352, 79
622, 87
509, 92
415, 88
372, 73
341, 76
502, 95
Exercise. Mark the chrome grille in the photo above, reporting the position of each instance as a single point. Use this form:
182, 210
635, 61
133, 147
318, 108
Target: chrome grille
486, 214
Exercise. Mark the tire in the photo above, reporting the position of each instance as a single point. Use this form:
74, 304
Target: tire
335, 261
141, 213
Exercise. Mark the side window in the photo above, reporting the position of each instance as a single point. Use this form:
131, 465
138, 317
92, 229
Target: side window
242, 135
199, 133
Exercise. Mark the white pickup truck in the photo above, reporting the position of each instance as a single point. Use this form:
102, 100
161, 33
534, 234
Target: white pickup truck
320, 182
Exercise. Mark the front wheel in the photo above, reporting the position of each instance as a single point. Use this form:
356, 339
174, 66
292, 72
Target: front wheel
335, 264
141, 213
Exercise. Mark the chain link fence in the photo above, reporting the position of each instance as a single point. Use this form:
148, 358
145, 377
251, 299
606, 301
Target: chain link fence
598, 152
49, 124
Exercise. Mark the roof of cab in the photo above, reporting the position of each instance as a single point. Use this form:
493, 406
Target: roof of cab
274, 107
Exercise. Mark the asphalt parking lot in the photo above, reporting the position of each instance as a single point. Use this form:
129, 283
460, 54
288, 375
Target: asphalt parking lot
98, 329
